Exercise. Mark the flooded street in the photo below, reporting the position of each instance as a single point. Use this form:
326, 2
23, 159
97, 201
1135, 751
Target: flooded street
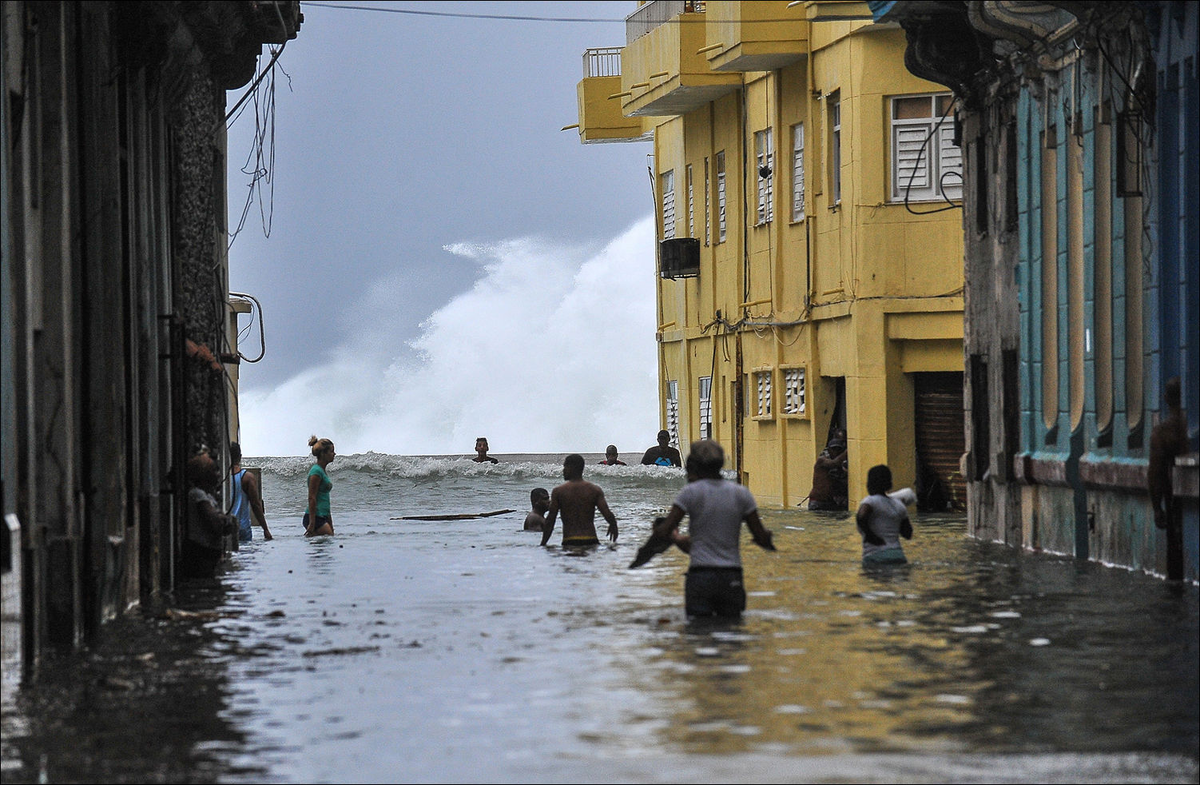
452, 651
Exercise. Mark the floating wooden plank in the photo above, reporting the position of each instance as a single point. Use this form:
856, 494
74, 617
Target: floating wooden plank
466, 516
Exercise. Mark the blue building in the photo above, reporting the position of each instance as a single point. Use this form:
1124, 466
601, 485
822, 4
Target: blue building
1078, 123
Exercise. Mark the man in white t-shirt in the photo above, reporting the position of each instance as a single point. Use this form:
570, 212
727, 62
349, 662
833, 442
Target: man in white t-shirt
715, 508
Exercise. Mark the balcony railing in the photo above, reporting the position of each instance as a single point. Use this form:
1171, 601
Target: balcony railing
602, 61
655, 13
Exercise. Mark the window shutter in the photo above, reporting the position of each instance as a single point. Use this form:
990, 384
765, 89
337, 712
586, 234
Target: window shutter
949, 163
798, 173
668, 201
912, 163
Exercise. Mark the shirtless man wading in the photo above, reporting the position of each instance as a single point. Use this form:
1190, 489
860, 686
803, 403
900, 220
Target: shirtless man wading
577, 500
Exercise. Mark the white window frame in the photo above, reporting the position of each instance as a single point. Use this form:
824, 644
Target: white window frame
673, 411
835, 147
761, 384
691, 202
795, 391
940, 164
704, 394
764, 155
798, 172
667, 179
721, 226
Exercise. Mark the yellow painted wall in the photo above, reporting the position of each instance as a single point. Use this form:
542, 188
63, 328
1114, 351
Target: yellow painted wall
863, 290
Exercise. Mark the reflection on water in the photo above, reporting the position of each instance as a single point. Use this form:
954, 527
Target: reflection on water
442, 651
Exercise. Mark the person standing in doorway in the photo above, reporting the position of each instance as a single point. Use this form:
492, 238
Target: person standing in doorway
317, 516
247, 497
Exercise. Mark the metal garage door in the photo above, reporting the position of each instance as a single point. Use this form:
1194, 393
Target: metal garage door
940, 441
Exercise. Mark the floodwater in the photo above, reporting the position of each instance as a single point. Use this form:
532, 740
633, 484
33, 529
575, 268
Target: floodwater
463, 651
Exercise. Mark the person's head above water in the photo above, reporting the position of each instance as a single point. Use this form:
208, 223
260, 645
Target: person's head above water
481, 445
879, 480
664, 438
321, 447
610, 452
705, 460
573, 466
539, 499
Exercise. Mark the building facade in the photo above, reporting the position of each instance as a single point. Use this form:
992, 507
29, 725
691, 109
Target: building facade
115, 295
807, 192
1082, 268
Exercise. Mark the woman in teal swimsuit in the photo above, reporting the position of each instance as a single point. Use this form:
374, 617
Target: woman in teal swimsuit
317, 519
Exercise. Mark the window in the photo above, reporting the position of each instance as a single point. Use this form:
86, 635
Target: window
764, 147
835, 146
668, 204
673, 411
926, 164
793, 392
721, 197
707, 206
762, 389
798, 172
691, 203
705, 407
1049, 261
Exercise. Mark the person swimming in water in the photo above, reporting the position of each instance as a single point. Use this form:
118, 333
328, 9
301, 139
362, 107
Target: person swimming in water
663, 454
577, 500
481, 450
539, 500
610, 457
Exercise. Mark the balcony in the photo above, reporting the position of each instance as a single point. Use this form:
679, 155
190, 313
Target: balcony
755, 35
600, 117
663, 71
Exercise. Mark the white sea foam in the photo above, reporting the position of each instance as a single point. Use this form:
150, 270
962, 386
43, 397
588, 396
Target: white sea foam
551, 350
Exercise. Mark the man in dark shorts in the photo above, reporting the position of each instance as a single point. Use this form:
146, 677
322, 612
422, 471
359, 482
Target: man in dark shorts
577, 500
662, 455
715, 508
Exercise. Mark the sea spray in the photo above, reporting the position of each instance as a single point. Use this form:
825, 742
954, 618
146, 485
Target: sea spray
552, 349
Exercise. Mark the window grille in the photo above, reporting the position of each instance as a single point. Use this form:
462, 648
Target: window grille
691, 203
835, 146
668, 204
926, 164
705, 407
673, 411
762, 385
721, 197
764, 147
798, 172
794, 392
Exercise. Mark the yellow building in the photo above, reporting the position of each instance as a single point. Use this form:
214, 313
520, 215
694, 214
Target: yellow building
811, 244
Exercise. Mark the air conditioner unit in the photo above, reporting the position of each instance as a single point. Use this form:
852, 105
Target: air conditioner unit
679, 257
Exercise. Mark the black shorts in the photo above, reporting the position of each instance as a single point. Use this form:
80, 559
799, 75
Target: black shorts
321, 521
714, 591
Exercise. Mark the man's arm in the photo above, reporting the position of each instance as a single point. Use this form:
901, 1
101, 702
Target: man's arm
646, 459
551, 514
250, 487
602, 505
668, 528
906, 529
761, 534
863, 520
214, 520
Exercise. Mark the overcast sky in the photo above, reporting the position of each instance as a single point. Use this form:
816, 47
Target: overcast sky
417, 166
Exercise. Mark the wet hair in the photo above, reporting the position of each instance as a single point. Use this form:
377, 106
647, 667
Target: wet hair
574, 461
319, 445
706, 459
664, 434
879, 479
538, 493
610, 448
235, 452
